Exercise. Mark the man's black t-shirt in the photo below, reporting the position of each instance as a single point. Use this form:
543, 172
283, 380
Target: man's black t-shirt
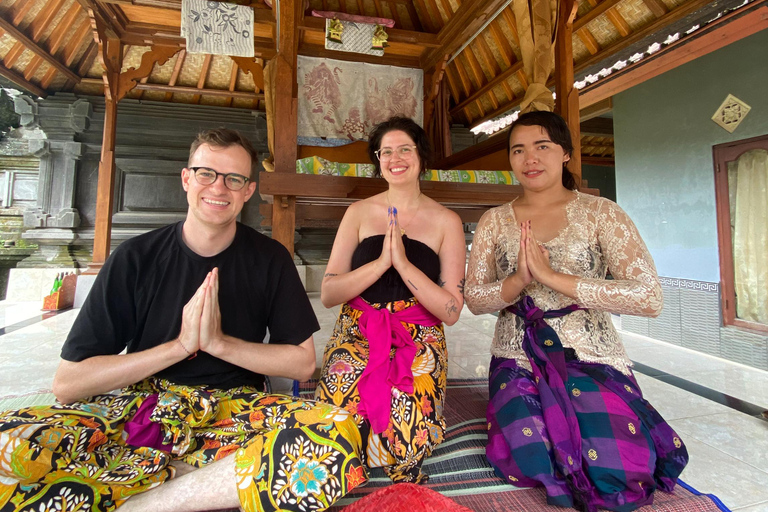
137, 299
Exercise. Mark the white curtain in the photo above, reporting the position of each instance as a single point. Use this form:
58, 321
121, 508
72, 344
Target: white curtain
748, 184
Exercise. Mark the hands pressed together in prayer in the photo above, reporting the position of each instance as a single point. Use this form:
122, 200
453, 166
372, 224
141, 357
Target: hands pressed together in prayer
532, 258
393, 251
201, 318
533, 265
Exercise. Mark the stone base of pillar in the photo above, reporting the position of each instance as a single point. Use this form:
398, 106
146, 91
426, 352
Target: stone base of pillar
55, 249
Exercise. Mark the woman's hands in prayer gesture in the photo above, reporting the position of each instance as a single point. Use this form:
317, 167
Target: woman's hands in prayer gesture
536, 256
393, 250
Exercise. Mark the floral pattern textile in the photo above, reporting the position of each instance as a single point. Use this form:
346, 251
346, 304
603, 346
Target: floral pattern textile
289, 454
416, 424
599, 237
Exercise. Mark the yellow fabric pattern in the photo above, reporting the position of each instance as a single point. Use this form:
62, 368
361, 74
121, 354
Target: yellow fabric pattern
749, 218
536, 22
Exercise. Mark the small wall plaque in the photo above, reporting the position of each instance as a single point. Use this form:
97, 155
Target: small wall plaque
731, 113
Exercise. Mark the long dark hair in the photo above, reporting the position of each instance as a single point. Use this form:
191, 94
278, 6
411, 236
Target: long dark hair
558, 132
412, 129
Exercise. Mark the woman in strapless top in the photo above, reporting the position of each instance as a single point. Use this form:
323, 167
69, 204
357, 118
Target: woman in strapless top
397, 269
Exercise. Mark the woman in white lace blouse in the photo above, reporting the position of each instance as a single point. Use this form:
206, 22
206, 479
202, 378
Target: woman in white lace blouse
565, 411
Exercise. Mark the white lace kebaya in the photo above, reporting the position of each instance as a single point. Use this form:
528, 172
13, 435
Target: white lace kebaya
598, 237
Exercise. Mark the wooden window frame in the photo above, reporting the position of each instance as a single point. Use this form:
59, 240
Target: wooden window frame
721, 155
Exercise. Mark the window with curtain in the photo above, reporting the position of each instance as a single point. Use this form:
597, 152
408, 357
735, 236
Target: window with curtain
741, 180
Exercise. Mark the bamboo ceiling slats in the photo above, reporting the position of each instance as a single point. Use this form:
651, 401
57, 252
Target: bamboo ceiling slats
48, 46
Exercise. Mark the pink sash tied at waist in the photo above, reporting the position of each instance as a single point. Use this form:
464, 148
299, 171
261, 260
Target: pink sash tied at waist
381, 373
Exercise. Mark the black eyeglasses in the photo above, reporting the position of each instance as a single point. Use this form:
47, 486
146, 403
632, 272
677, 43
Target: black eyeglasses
206, 176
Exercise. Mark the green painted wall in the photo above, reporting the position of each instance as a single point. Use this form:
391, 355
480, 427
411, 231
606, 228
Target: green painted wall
600, 177
663, 139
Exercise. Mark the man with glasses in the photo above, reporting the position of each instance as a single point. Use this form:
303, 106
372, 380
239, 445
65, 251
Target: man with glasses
175, 322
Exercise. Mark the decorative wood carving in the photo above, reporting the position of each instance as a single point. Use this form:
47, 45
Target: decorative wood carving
130, 78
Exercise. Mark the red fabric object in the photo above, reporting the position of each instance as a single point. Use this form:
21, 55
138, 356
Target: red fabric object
384, 330
405, 497
356, 18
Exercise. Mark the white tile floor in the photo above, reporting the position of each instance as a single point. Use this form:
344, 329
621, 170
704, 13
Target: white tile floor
728, 450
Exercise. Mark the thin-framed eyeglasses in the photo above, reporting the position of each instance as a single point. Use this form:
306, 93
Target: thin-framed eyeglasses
207, 176
385, 154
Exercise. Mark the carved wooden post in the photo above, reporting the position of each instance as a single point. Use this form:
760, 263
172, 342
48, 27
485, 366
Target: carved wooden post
111, 54
116, 85
567, 101
286, 103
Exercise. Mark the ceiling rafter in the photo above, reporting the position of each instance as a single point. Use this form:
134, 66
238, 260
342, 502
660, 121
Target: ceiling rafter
203, 76
395, 15
22, 82
589, 41
436, 15
77, 40
414, 16
40, 53
493, 65
657, 7
672, 16
464, 23
44, 18
20, 9
175, 73
232, 80
424, 17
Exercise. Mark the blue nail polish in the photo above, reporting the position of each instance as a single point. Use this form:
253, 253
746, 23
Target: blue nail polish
394, 209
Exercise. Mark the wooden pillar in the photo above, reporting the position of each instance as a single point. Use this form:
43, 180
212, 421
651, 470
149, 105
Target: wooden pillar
112, 56
105, 190
567, 101
286, 110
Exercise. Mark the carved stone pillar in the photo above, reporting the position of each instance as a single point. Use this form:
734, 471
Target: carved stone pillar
54, 218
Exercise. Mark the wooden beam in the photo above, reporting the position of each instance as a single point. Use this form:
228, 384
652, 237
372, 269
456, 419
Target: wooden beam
76, 42
19, 80
395, 15
464, 23
592, 110
657, 7
44, 18
37, 50
414, 17
171, 89
593, 13
203, 76
426, 19
253, 66
63, 29
395, 35
130, 78
403, 61
497, 80
722, 32
233, 80
286, 130
598, 160
111, 54
175, 74
13, 55
652, 28
567, 100
589, 41
597, 127
20, 9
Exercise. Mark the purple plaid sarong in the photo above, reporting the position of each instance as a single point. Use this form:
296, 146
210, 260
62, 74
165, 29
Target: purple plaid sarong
581, 430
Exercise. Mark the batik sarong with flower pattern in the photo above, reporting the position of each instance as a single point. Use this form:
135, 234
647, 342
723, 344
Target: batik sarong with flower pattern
582, 430
416, 422
289, 454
